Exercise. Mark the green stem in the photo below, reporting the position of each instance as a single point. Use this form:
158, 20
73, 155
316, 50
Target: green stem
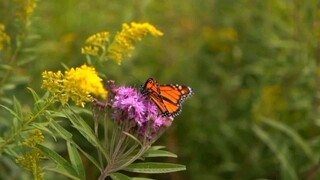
12, 136
96, 132
109, 169
16, 52
11, 62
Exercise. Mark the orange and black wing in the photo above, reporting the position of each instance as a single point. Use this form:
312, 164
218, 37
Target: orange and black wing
173, 96
175, 93
151, 86
168, 98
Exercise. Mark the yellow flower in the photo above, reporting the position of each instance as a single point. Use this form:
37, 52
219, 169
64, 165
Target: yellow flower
31, 160
4, 38
99, 39
35, 138
92, 50
95, 43
77, 84
26, 8
124, 41
220, 39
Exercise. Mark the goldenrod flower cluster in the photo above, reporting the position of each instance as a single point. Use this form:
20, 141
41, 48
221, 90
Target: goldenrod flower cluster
221, 39
123, 42
77, 84
27, 8
35, 138
4, 37
95, 43
31, 160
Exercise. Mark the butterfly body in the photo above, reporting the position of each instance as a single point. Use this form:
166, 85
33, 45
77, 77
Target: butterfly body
168, 97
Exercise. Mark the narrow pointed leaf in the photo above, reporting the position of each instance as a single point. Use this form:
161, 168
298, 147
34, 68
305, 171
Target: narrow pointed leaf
294, 136
36, 98
154, 168
12, 112
44, 127
132, 137
17, 109
63, 163
15, 122
85, 130
92, 159
159, 153
157, 147
63, 172
119, 176
76, 160
267, 139
34, 94
60, 130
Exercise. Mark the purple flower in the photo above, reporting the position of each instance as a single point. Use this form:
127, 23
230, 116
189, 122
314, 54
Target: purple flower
130, 104
161, 121
135, 113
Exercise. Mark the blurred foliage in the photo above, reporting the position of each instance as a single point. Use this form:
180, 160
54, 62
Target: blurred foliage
253, 65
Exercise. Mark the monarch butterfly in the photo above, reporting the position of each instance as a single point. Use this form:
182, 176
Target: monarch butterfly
168, 98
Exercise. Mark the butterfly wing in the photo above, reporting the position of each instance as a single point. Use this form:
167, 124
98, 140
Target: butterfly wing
157, 99
175, 93
151, 86
168, 98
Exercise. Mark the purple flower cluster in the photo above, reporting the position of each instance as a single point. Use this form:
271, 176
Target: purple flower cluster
130, 105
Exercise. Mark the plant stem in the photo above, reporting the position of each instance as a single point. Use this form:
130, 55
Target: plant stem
12, 136
109, 169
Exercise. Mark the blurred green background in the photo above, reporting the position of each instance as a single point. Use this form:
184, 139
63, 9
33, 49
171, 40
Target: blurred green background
253, 66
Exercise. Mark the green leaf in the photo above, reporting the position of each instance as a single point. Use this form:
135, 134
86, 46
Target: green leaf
23, 61
36, 98
5, 67
34, 94
157, 147
20, 79
62, 171
119, 176
294, 136
60, 130
85, 130
159, 153
132, 137
12, 112
93, 160
44, 127
66, 135
17, 108
154, 168
7, 87
64, 164
76, 160
286, 165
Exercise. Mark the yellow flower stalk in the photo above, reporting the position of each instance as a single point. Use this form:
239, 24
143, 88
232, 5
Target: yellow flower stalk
31, 160
26, 8
76, 84
35, 138
96, 43
123, 43
4, 37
